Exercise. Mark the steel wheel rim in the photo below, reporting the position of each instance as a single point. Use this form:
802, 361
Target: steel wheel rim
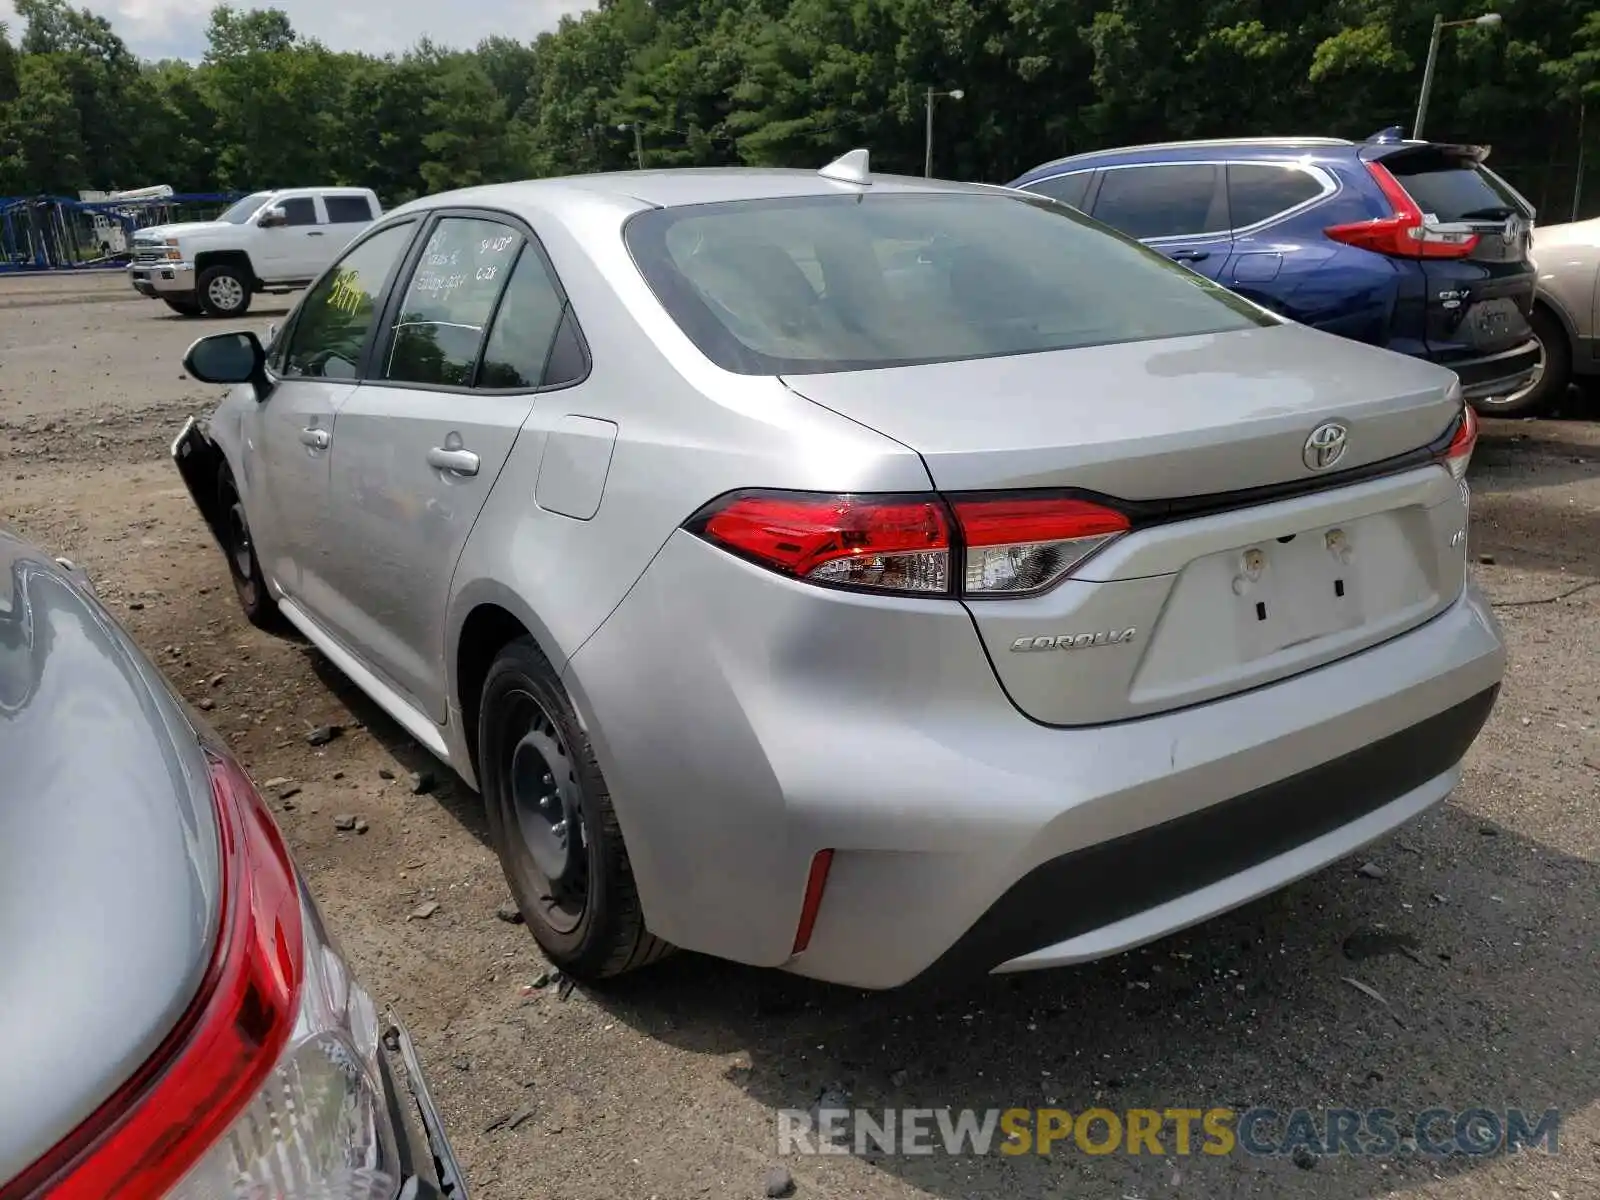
543, 804
241, 552
225, 292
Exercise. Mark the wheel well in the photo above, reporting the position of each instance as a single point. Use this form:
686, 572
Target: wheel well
225, 258
488, 629
1555, 314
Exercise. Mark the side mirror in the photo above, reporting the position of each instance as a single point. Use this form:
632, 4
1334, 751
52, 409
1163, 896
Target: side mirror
273, 218
229, 358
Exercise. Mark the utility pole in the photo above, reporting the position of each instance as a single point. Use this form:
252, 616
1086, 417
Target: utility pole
1439, 26
927, 158
638, 141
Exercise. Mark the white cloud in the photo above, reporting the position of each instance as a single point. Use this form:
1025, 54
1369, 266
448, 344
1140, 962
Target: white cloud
176, 28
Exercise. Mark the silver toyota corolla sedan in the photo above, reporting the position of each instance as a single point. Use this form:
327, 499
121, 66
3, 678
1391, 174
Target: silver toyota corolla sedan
174, 1019
855, 574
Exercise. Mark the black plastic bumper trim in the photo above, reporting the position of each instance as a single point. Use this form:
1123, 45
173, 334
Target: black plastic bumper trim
1108, 882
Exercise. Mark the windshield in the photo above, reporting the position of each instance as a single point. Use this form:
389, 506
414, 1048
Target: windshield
244, 209
842, 283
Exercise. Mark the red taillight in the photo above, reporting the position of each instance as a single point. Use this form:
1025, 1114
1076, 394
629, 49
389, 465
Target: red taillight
1011, 543
816, 882
141, 1141
1405, 234
1459, 452
891, 543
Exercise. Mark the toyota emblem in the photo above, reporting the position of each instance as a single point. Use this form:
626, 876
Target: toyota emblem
1325, 446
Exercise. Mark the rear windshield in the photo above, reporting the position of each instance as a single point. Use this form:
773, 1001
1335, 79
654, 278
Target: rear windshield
1452, 190
811, 284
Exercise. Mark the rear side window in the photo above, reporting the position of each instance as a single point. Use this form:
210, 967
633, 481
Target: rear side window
448, 301
348, 210
1448, 190
1069, 189
839, 283
301, 210
1258, 192
1168, 200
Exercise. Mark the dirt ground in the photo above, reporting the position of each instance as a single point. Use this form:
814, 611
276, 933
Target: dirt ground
1477, 929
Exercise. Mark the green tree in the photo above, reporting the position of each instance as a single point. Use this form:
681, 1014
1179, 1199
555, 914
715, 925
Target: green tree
42, 148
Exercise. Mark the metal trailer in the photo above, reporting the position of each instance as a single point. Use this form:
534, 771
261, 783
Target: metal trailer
57, 233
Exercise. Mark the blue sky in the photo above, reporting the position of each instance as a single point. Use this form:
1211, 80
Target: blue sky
176, 28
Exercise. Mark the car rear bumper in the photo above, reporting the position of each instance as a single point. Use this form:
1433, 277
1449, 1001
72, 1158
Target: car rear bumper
1497, 374
745, 723
426, 1151
159, 280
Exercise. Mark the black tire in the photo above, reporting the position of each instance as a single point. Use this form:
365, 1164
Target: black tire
573, 882
244, 568
224, 291
184, 307
1555, 375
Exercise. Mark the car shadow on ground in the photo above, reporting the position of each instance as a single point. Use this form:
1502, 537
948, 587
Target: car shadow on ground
1462, 978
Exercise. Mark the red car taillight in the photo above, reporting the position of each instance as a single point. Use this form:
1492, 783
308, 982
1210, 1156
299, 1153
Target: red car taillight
1005, 544
1458, 454
144, 1139
1405, 234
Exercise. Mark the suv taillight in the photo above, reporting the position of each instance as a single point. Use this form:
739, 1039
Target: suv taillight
1405, 234
978, 546
270, 1084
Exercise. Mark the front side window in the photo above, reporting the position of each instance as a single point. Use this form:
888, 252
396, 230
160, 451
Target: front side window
1167, 200
448, 301
332, 322
300, 210
839, 283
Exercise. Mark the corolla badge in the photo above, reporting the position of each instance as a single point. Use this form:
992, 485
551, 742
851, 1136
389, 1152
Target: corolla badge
1325, 445
1074, 641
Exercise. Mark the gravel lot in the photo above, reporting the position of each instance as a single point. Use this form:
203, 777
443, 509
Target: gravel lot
667, 1086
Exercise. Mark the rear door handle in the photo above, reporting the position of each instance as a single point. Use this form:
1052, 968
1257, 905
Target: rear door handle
1190, 255
317, 439
460, 462
314, 233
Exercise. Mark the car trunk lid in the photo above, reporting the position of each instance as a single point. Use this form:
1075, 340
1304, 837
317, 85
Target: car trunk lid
1249, 559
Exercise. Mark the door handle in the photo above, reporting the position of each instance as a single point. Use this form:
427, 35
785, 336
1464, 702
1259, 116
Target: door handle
459, 462
1190, 255
314, 233
317, 439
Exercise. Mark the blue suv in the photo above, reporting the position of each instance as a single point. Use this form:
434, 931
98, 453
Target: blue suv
1414, 246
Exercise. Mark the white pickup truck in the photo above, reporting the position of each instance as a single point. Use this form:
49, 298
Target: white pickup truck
267, 242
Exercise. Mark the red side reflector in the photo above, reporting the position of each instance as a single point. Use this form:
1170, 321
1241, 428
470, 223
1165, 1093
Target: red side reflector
142, 1141
816, 881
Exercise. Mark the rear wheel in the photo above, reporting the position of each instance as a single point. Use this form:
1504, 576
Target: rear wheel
224, 291
552, 823
243, 567
1551, 377
184, 306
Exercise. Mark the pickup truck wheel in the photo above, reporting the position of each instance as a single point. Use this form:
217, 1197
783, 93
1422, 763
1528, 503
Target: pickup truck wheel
243, 567
224, 292
551, 822
1551, 379
184, 307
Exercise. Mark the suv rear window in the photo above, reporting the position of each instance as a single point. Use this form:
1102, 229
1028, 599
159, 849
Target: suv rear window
1452, 189
811, 284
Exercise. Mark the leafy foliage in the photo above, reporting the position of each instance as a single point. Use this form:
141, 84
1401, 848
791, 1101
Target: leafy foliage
786, 82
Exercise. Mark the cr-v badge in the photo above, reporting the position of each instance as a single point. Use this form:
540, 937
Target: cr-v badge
1074, 641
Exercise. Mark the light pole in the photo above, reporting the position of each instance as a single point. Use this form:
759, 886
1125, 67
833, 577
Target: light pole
1439, 26
927, 158
638, 141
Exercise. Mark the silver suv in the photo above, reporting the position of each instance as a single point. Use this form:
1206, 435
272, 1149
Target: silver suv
855, 574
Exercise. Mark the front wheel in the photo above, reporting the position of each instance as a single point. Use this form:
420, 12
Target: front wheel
552, 823
244, 568
224, 292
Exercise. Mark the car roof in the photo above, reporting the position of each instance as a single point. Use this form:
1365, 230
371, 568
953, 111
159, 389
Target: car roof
1260, 147
675, 187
